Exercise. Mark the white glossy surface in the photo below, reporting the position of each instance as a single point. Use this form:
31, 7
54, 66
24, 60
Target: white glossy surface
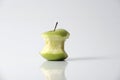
93, 47
92, 68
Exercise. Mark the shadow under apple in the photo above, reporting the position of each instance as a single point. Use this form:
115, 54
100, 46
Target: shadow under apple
88, 58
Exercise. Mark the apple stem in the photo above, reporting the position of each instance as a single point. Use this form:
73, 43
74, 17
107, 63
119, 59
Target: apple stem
55, 26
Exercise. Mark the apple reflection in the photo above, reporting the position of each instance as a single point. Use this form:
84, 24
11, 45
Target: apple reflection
54, 70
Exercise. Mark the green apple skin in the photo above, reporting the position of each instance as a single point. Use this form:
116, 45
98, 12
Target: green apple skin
54, 45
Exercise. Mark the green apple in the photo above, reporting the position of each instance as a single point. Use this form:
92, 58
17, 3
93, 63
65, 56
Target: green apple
54, 44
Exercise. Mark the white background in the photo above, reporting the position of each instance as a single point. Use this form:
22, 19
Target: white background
94, 26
